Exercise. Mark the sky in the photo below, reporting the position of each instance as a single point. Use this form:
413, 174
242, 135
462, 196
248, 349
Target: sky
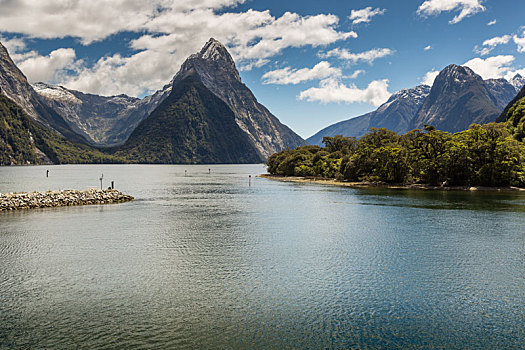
311, 63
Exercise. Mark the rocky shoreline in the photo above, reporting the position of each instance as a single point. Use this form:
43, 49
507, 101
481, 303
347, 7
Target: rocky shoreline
51, 199
333, 182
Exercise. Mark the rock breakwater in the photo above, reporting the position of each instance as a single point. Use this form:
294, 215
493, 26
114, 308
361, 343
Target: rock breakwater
15, 201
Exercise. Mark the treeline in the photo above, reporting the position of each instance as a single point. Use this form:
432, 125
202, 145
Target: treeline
487, 155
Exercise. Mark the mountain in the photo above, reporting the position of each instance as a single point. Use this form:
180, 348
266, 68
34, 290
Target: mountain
192, 125
502, 90
504, 115
15, 86
458, 98
102, 120
215, 68
24, 141
396, 114
108, 121
518, 82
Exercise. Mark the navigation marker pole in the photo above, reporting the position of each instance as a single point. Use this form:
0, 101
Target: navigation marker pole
101, 177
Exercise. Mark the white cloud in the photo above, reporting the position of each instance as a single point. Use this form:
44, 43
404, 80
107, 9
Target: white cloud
355, 74
493, 22
13, 45
520, 41
175, 29
50, 68
491, 67
429, 77
427, 48
490, 44
466, 8
365, 15
332, 90
95, 19
286, 76
366, 56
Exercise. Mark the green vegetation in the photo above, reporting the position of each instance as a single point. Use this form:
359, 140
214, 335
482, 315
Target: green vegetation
23, 141
516, 119
191, 126
485, 155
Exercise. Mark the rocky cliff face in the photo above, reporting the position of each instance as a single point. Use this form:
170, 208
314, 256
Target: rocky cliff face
502, 90
191, 126
216, 69
459, 98
15, 86
108, 121
102, 120
396, 114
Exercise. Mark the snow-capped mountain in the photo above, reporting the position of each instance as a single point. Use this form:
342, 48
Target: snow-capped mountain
395, 114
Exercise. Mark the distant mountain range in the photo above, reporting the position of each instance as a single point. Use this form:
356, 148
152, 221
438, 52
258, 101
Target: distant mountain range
207, 115
458, 98
103, 121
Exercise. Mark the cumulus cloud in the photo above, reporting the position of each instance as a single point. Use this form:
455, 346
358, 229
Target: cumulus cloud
13, 45
429, 77
520, 41
49, 68
490, 44
491, 23
173, 29
286, 76
365, 15
466, 8
352, 58
332, 90
95, 19
491, 67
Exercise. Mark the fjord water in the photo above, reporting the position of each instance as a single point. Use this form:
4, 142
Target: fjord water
210, 261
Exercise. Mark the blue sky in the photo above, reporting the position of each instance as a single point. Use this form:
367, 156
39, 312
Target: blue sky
312, 63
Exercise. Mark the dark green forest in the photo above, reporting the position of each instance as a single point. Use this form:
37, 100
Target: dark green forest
488, 155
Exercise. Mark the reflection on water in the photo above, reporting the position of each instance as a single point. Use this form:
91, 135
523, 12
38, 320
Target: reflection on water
208, 261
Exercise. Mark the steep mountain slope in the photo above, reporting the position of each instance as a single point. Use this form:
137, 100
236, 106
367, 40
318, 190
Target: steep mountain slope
458, 98
192, 125
504, 115
518, 82
216, 69
516, 118
502, 90
14, 85
108, 121
396, 114
23, 141
102, 120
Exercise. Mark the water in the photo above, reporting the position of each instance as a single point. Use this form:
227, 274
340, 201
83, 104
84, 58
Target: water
207, 261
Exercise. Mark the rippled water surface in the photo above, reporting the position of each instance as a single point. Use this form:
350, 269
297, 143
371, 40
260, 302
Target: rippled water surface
212, 261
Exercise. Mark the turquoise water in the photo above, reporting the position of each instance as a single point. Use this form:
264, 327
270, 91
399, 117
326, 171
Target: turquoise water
214, 261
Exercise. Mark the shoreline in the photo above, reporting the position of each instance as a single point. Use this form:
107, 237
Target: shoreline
364, 185
65, 198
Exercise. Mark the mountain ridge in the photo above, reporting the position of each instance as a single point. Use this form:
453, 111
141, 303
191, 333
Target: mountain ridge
441, 107
192, 125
